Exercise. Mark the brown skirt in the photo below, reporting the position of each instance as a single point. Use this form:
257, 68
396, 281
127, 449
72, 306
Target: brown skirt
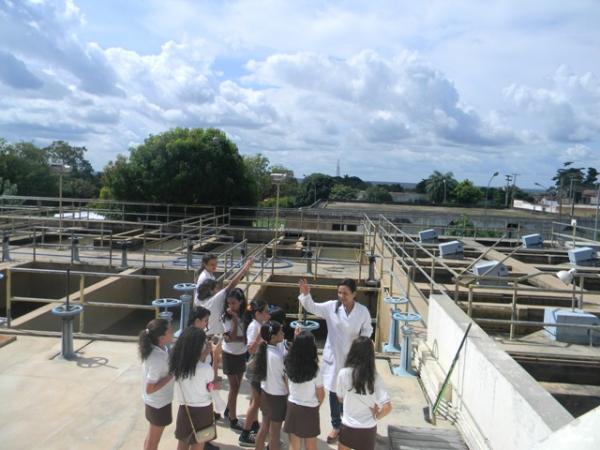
273, 406
303, 421
234, 364
159, 417
358, 438
202, 416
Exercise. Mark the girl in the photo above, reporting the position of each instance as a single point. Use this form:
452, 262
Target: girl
208, 297
306, 392
193, 378
208, 269
157, 382
346, 320
234, 351
363, 394
273, 398
257, 314
199, 318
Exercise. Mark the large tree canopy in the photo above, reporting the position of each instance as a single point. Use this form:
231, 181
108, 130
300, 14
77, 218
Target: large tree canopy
183, 166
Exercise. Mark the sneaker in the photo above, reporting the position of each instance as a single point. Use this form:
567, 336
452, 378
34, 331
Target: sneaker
255, 427
235, 425
210, 446
247, 440
217, 416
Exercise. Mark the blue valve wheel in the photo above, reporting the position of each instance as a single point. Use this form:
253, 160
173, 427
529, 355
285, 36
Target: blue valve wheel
395, 300
166, 303
406, 317
184, 287
62, 311
310, 325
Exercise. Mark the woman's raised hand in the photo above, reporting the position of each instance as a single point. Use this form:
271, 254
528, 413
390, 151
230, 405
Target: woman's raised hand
303, 286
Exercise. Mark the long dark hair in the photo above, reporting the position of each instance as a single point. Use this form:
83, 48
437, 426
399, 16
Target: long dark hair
198, 313
350, 284
187, 352
149, 336
238, 294
302, 362
361, 358
267, 331
253, 307
204, 289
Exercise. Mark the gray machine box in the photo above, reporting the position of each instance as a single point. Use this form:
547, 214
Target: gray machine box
533, 241
428, 236
490, 269
583, 256
452, 249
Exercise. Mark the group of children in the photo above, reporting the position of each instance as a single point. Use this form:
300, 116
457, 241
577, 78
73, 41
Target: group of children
286, 380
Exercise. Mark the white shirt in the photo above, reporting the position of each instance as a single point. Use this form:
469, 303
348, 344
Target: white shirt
193, 391
252, 331
274, 384
215, 305
305, 394
238, 347
204, 275
356, 410
154, 369
342, 329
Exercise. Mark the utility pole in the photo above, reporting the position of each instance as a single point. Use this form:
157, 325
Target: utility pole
514, 185
508, 179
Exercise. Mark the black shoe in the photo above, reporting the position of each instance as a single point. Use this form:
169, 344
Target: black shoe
217, 416
226, 413
246, 440
234, 425
210, 446
255, 427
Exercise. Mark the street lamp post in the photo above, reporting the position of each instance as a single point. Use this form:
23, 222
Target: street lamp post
495, 174
60, 168
444, 181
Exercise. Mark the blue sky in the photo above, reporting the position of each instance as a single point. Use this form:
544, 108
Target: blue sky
394, 89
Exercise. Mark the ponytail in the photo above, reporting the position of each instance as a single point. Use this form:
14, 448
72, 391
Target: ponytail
267, 331
149, 336
253, 307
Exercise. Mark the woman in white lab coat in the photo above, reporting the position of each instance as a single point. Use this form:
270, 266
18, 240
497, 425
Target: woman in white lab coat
346, 320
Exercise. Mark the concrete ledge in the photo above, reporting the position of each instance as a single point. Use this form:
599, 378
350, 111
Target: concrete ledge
497, 404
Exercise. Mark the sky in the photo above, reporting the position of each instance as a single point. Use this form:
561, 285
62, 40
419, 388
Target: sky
392, 89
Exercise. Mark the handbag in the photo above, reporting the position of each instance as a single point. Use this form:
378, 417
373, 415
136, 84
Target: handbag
202, 435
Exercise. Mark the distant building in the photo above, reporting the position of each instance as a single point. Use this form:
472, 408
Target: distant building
409, 197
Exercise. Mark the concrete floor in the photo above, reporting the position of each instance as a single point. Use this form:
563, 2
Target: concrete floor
94, 402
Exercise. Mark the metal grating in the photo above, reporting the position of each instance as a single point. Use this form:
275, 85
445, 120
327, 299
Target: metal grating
412, 438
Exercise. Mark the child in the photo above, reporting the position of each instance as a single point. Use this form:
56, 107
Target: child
199, 318
363, 395
234, 351
157, 382
273, 398
193, 379
257, 314
305, 383
213, 300
208, 269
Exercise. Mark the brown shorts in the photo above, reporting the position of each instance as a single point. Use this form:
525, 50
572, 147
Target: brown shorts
202, 416
358, 438
159, 417
302, 421
273, 406
234, 364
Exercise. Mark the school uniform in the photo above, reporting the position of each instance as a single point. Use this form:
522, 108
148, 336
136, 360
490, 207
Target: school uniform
302, 416
234, 353
359, 427
158, 404
193, 392
215, 305
252, 332
342, 329
273, 398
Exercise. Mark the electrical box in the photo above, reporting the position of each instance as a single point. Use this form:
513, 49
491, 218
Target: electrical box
452, 249
428, 236
490, 269
573, 335
533, 241
582, 256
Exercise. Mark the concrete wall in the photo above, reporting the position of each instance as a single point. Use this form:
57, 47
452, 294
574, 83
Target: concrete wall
581, 434
498, 405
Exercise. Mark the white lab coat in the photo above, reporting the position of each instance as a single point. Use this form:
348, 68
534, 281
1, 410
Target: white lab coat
342, 329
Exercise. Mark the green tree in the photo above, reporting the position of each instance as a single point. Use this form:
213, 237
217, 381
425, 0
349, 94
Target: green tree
81, 181
377, 194
591, 177
342, 192
183, 166
257, 169
440, 185
316, 186
26, 166
466, 193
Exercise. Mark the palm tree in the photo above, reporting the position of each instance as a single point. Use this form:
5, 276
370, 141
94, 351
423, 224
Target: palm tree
439, 185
